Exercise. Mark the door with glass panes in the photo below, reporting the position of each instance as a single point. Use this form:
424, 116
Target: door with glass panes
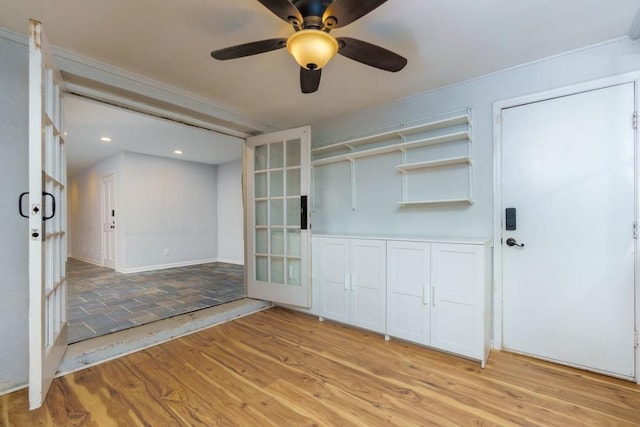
278, 243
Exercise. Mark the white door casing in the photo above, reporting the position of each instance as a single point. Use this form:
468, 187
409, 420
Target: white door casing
109, 221
278, 235
568, 168
47, 219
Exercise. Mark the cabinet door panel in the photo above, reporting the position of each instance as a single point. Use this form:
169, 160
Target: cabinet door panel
333, 277
368, 280
408, 290
457, 275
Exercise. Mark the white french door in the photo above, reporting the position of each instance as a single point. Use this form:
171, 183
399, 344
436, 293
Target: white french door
278, 235
569, 182
47, 219
109, 221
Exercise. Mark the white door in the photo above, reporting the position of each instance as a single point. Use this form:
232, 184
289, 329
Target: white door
277, 182
47, 220
568, 170
409, 290
108, 221
368, 284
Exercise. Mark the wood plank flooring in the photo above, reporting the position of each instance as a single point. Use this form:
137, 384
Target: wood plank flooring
281, 368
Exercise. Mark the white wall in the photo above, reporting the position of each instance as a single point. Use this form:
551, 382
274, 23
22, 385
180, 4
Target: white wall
230, 213
169, 205
378, 185
84, 193
14, 262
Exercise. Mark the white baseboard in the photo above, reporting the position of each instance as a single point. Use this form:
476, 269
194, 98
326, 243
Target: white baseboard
87, 260
231, 261
125, 270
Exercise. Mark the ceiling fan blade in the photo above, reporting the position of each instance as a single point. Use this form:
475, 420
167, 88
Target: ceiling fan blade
309, 80
347, 11
283, 9
370, 54
248, 49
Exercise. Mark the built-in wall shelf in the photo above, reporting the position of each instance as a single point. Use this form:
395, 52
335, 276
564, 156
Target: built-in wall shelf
450, 161
400, 133
422, 142
429, 175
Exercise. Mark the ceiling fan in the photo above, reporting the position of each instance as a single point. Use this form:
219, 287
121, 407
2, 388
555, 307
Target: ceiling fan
311, 45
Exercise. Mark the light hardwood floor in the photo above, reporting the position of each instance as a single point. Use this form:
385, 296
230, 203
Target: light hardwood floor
282, 368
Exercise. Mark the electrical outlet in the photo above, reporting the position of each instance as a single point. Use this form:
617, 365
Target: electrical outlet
166, 251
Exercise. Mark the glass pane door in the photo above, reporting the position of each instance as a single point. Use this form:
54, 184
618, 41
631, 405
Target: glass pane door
278, 246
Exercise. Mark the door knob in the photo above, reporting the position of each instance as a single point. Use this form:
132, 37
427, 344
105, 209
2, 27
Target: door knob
512, 242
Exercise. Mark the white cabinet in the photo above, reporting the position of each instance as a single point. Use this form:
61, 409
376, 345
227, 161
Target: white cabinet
351, 277
437, 296
431, 292
460, 299
408, 290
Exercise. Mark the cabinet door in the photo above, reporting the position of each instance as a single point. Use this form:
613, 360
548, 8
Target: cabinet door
368, 279
457, 312
408, 290
333, 278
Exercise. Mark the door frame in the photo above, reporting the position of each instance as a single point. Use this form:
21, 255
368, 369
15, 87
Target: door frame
633, 77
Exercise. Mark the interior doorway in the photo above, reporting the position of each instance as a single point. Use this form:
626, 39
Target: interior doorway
153, 208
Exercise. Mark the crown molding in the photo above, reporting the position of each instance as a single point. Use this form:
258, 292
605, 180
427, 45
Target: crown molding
105, 74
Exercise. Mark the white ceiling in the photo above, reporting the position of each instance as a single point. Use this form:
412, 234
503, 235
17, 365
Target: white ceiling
445, 41
88, 121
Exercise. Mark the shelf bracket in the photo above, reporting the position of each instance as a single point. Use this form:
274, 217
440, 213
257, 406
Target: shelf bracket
405, 191
470, 148
313, 189
353, 184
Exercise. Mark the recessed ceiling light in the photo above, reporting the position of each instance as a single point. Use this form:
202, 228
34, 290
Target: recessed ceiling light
105, 139
178, 152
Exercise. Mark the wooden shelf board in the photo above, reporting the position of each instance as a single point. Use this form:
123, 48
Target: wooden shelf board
462, 160
458, 136
442, 139
432, 202
357, 141
396, 133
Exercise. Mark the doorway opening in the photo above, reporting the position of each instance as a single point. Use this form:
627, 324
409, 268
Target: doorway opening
155, 218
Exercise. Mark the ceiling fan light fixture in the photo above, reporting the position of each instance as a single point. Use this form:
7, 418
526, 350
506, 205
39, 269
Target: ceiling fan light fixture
312, 49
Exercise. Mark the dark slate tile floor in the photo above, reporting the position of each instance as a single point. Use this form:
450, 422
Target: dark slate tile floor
101, 300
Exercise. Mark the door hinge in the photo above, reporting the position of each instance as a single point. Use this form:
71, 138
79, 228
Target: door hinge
635, 339
635, 230
634, 120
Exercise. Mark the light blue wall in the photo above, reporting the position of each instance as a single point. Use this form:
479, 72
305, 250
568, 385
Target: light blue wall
14, 251
378, 185
167, 204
